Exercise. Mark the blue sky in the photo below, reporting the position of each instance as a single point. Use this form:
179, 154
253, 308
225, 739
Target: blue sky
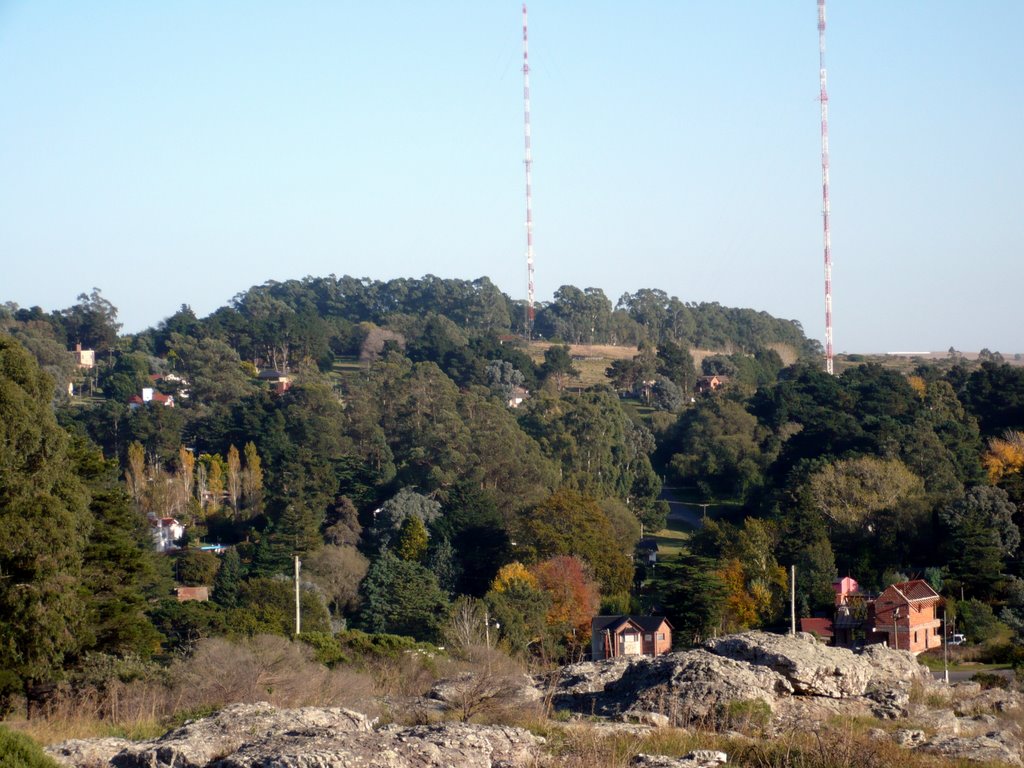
179, 152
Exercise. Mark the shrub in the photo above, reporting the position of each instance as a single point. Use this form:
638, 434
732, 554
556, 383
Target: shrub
989, 680
747, 714
978, 621
19, 751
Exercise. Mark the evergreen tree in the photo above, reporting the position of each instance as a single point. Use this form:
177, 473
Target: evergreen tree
44, 525
692, 595
228, 580
403, 598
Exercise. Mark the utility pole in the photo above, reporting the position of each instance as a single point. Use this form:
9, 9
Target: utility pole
896, 627
792, 600
298, 615
945, 649
825, 211
528, 163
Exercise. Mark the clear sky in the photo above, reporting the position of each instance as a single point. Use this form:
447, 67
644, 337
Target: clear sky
180, 152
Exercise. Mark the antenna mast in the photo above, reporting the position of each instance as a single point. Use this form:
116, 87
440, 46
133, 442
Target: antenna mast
824, 186
528, 162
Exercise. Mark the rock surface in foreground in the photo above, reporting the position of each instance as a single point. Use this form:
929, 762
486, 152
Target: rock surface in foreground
262, 736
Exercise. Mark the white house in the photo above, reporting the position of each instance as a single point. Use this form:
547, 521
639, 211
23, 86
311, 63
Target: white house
166, 531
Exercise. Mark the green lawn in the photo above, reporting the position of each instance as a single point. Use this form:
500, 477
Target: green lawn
671, 540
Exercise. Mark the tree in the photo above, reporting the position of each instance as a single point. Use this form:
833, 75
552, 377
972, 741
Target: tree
693, 596
981, 535
196, 568
252, 477
574, 598
338, 571
135, 473
44, 525
120, 569
228, 581
850, 491
558, 366
403, 598
388, 520
412, 539
234, 478
520, 607
568, 523
92, 321
720, 447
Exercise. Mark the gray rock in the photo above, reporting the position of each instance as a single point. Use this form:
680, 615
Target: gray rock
889, 703
198, 743
653, 719
261, 736
87, 751
890, 666
994, 747
421, 746
811, 667
700, 758
686, 687
908, 737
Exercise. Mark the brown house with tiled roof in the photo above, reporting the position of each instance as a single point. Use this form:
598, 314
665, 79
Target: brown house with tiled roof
612, 636
907, 615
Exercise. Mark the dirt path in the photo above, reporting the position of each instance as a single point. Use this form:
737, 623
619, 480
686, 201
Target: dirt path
682, 511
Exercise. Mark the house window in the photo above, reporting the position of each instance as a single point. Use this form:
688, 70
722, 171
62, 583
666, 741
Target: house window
647, 638
915, 637
630, 637
661, 635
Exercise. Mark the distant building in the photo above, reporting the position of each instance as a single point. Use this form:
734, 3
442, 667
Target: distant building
907, 614
519, 394
150, 395
84, 358
166, 531
612, 636
199, 594
279, 382
708, 384
904, 616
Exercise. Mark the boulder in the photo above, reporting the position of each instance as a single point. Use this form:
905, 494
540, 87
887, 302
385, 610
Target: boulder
87, 751
890, 666
993, 747
685, 686
421, 746
259, 736
810, 667
198, 743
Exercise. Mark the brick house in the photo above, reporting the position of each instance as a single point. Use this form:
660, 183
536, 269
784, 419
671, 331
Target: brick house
906, 614
612, 636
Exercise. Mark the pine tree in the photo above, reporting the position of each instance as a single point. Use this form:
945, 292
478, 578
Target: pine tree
44, 525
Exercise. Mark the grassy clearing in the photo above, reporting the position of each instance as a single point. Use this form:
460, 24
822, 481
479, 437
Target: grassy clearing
673, 539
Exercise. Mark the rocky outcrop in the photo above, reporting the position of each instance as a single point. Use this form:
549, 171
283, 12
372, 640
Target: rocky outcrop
813, 669
993, 747
701, 684
687, 686
700, 758
260, 736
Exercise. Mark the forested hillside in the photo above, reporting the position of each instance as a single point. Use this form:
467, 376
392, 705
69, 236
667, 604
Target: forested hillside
402, 441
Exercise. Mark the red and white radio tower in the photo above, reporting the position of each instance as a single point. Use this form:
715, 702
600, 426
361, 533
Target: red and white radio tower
824, 186
529, 194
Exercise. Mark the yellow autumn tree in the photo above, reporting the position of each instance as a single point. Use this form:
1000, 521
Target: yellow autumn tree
511, 573
1005, 455
740, 610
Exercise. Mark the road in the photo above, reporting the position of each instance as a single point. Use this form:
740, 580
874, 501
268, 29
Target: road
681, 511
959, 675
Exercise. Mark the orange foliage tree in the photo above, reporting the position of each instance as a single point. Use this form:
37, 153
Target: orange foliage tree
574, 594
